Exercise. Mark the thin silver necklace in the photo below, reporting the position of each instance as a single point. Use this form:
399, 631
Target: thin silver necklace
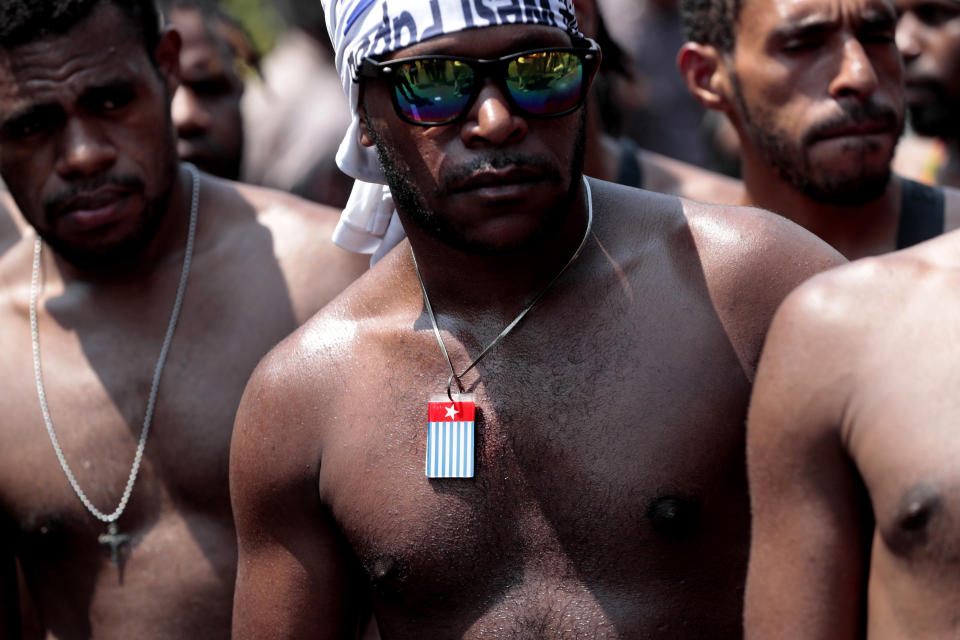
454, 376
112, 537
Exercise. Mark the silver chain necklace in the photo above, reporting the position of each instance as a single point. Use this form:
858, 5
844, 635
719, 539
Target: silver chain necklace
454, 376
112, 537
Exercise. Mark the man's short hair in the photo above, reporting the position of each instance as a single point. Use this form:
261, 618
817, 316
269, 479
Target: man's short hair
24, 21
711, 22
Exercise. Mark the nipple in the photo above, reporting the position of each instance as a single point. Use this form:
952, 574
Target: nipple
911, 522
916, 508
674, 516
385, 574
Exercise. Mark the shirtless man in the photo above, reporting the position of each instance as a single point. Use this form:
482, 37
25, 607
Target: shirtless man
853, 451
89, 153
206, 105
928, 35
814, 89
608, 494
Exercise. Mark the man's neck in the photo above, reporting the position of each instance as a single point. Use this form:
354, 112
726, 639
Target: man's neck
602, 155
856, 231
498, 283
168, 239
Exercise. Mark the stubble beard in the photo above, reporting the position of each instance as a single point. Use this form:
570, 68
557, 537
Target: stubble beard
937, 118
792, 163
409, 199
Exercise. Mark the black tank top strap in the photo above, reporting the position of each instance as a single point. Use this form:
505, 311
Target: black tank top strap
629, 169
921, 213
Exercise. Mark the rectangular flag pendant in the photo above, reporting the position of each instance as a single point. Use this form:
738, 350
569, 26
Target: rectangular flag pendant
450, 436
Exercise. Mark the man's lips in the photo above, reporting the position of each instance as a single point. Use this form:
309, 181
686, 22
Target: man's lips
858, 129
93, 209
499, 178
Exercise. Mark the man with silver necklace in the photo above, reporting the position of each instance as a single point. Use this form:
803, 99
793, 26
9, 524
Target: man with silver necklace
526, 421
131, 315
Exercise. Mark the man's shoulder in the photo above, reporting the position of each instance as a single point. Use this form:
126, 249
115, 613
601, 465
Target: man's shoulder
848, 300
741, 246
283, 213
314, 361
255, 221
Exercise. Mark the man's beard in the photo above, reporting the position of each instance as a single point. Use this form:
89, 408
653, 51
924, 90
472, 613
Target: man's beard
409, 198
792, 162
938, 117
129, 248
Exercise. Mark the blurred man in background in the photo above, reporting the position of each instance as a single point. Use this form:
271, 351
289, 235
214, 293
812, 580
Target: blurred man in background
928, 35
294, 119
206, 106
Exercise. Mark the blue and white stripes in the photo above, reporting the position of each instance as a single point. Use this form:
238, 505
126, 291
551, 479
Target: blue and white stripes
450, 449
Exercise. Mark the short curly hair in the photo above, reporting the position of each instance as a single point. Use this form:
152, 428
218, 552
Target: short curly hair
24, 21
711, 22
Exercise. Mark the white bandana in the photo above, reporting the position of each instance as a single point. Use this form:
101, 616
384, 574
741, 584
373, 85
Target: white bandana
363, 28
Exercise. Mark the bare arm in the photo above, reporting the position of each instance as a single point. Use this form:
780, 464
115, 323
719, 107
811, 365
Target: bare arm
294, 571
808, 557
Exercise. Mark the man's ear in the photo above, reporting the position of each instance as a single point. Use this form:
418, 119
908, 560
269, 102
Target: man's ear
703, 67
167, 57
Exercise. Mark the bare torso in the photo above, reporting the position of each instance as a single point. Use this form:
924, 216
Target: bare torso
99, 342
902, 438
609, 499
853, 454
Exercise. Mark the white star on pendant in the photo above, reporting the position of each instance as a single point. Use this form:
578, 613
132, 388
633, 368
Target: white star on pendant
452, 411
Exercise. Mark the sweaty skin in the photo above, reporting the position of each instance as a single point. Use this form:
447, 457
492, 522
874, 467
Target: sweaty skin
262, 264
609, 499
852, 451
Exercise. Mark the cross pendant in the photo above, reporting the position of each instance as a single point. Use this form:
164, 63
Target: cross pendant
115, 540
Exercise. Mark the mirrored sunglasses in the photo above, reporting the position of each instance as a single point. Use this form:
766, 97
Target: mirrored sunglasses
437, 90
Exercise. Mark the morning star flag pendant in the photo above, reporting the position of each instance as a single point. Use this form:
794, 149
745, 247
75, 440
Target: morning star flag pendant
450, 436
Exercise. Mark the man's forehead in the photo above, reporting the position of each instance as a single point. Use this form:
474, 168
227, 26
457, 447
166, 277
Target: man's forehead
903, 5
47, 71
772, 14
201, 52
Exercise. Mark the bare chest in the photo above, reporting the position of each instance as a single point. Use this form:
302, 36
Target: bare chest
601, 464
905, 442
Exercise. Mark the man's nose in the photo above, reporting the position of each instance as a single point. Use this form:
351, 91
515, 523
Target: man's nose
190, 117
856, 75
492, 120
909, 36
85, 150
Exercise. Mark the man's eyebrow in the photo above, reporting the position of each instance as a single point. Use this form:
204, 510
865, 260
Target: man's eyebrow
29, 112
809, 26
879, 16
113, 84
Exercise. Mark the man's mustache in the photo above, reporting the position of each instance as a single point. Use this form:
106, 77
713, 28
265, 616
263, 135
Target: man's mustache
54, 203
858, 114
